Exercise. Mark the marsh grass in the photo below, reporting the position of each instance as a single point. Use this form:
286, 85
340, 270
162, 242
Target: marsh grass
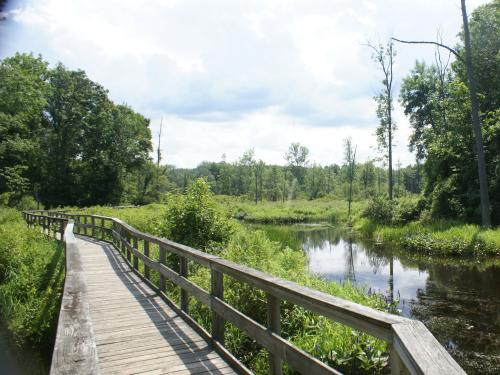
438, 237
289, 212
31, 282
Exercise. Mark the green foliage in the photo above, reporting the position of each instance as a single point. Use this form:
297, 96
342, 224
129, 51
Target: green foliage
436, 99
195, 219
408, 209
380, 210
31, 281
294, 211
437, 238
62, 139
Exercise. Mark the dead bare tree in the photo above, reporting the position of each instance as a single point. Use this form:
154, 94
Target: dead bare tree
476, 122
384, 56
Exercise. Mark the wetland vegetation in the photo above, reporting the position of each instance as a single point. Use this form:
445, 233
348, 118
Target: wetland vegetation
417, 240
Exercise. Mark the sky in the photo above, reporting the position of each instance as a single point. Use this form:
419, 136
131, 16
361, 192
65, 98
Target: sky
225, 76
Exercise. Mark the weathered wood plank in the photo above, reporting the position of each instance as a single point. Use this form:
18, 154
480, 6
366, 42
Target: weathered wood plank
134, 329
420, 352
217, 292
74, 350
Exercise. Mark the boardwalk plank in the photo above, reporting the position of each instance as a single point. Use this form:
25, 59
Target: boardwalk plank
134, 329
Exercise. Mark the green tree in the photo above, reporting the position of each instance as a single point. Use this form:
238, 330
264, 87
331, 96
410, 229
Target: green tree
297, 159
23, 90
350, 160
194, 219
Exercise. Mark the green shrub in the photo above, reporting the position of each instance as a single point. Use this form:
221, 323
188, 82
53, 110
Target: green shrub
380, 210
31, 281
445, 202
408, 209
195, 219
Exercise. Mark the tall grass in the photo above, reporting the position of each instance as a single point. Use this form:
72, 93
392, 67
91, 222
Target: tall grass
293, 211
31, 281
438, 237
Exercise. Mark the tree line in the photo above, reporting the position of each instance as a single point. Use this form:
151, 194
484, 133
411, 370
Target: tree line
64, 142
298, 178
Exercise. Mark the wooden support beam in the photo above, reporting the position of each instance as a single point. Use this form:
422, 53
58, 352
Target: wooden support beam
183, 271
217, 291
147, 273
274, 324
163, 258
136, 246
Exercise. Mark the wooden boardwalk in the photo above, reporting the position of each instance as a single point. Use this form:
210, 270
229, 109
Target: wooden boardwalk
135, 331
111, 321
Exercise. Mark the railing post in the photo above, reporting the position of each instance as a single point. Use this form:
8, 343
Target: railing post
54, 227
61, 229
183, 271
92, 222
103, 232
85, 225
127, 244
77, 224
135, 257
274, 324
163, 258
217, 290
121, 245
397, 366
146, 253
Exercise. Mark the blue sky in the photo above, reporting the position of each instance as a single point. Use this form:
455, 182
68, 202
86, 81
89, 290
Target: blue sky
229, 75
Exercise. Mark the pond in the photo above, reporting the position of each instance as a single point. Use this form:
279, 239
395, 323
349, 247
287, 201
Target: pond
458, 300
19, 361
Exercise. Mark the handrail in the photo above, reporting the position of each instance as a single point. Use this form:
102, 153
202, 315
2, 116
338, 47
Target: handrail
413, 348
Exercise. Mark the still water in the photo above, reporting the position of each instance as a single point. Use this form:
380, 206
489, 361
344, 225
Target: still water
17, 361
458, 300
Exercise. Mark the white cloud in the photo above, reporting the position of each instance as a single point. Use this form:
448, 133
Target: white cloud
229, 75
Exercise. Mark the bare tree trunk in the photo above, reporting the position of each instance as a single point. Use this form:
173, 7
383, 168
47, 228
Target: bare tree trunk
389, 183
476, 124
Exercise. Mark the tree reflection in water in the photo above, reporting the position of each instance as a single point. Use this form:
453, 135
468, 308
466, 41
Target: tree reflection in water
457, 299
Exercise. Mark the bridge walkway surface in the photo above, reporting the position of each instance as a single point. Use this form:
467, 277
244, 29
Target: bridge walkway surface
135, 331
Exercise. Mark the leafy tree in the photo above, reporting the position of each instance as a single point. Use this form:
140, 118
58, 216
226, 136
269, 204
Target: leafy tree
350, 160
23, 90
194, 219
297, 159
62, 139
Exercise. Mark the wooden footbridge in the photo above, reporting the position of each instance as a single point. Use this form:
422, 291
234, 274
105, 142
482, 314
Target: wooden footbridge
119, 317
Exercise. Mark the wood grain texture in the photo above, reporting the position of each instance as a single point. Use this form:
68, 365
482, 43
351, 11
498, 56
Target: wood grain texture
74, 349
113, 323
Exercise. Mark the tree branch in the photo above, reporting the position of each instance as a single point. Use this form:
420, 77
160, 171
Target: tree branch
457, 55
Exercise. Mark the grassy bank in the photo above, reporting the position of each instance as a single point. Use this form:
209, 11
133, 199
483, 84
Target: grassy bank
439, 237
427, 237
31, 281
333, 343
289, 212
402, 224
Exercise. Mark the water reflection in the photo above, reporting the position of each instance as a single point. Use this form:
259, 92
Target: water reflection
18, 361
458, 300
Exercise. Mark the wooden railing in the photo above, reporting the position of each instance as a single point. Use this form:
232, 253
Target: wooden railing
413, 349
